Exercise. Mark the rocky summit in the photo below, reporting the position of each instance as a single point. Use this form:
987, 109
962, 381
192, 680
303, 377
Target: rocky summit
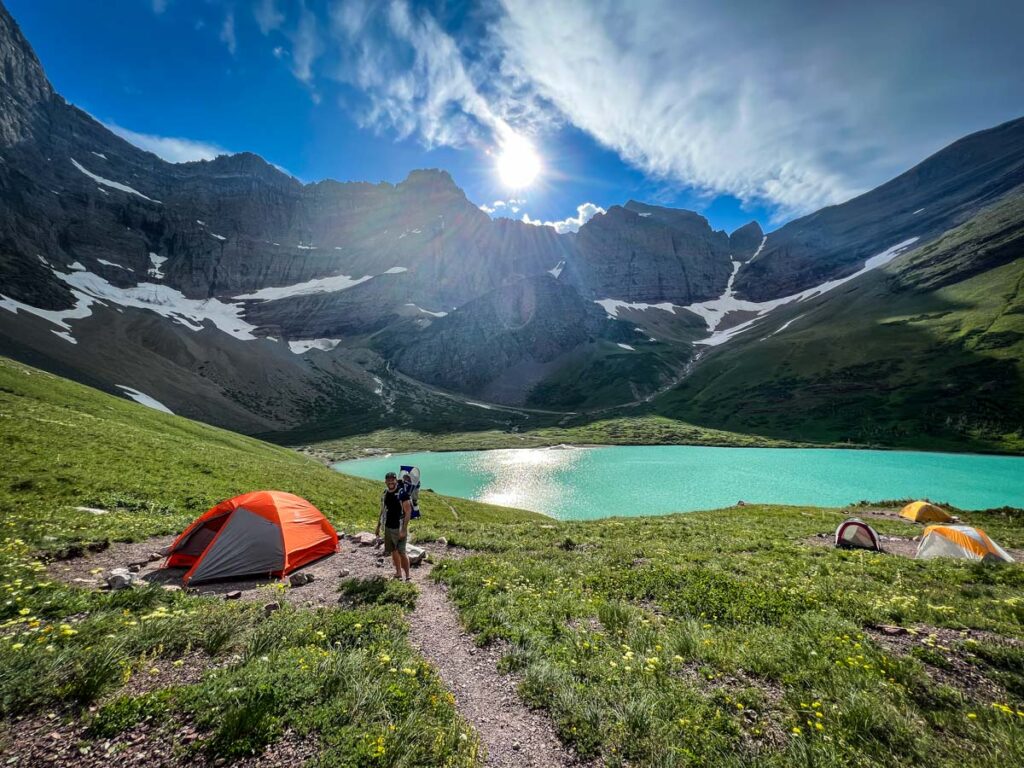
230, 292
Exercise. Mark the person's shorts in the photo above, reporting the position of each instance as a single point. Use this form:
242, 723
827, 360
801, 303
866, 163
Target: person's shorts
392, 542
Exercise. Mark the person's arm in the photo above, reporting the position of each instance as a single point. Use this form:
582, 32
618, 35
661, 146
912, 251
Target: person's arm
406, 514
380, 516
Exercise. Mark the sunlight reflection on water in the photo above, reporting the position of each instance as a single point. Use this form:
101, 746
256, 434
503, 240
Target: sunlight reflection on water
528, 478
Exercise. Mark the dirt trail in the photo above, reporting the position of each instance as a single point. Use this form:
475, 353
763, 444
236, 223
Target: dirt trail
512, 733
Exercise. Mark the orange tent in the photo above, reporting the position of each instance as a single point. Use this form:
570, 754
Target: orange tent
923, 512
960, 541
265, 532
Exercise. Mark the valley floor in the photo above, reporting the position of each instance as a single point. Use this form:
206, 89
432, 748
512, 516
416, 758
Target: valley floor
728, 637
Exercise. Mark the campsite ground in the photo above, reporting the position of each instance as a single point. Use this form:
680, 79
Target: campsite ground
718, 637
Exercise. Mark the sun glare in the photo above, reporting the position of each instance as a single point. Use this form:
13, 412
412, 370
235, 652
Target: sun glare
518, 163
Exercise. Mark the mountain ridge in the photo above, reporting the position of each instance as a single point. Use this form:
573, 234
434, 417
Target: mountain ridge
287, 303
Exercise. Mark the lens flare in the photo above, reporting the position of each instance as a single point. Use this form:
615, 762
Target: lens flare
518, 164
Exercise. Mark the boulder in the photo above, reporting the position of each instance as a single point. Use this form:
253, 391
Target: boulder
344, 574
154, 556
893, 631
415, 554
236, 595
365, 539
300, 579
442, 541
269, 608
121, 578
134, 568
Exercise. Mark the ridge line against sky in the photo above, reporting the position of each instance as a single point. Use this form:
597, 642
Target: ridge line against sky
733, 109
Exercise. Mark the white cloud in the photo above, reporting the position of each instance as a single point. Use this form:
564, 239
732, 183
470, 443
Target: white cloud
173, 150
278, 52
227, 32
584, 213
268, 18
412, 73
306, 45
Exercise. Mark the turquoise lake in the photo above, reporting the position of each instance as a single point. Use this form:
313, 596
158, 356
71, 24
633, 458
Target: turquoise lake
586, 483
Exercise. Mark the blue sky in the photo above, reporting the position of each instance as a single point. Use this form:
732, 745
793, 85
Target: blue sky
733, 109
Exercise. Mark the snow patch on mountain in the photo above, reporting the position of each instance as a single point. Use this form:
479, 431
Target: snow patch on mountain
59, 317
143, 399
427, 311
157, 262
112, 264
613, 306
626, 346
759, 248
316, 285
66, 335
396, 270
111, 184
302, 346
714, 311
557, 269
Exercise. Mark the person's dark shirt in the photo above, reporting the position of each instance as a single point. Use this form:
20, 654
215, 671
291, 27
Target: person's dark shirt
393, 513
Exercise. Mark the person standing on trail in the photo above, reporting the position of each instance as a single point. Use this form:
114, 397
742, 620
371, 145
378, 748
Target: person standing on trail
395, 512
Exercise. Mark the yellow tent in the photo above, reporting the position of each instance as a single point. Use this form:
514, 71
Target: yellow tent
959, 541
923, 512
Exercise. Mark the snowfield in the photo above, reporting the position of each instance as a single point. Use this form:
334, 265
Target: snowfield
612, 306
143, 399
714, 311
302, 346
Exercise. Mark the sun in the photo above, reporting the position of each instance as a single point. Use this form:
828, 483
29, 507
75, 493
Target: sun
518, 164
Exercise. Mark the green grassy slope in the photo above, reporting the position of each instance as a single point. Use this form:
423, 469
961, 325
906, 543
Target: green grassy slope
67, 445
927, 353
722, 637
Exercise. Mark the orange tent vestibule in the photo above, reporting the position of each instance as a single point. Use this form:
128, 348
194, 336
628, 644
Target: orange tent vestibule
259, 533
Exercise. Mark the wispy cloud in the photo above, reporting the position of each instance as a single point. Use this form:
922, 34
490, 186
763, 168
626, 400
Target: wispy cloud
267, 16
412, 73
227, 32
584, 213
652, 82
158, 6
766, 101
171, 149
306, 45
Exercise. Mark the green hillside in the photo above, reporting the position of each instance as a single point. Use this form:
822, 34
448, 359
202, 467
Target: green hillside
729, 637
927, 353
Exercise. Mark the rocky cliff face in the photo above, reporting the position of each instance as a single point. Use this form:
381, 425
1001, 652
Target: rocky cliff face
643, 253
24, 89
745, 241
522, 326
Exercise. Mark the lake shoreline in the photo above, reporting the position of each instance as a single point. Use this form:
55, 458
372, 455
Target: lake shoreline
579, 484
